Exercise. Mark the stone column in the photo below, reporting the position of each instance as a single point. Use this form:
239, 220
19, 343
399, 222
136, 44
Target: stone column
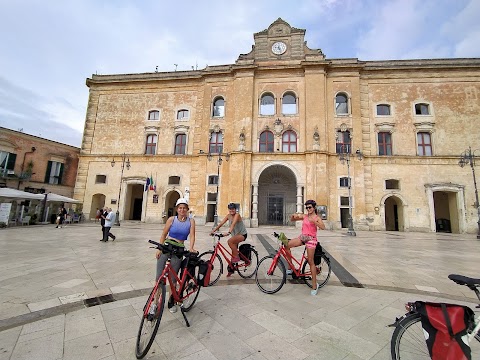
299, 199
255, 206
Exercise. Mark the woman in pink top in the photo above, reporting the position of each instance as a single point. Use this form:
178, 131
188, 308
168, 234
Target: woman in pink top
311, 221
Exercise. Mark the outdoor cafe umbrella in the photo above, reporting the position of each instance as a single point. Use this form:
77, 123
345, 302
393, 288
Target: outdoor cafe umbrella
14, 194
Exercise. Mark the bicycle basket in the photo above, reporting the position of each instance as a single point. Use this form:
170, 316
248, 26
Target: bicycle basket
444, 326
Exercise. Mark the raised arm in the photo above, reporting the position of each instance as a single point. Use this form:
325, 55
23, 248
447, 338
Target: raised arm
219, 225
296, 217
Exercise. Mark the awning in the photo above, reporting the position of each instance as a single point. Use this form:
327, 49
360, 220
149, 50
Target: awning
19, 195
51, 197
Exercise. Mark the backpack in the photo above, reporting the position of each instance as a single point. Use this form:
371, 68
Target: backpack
204, 271
246, 250
444, 326
317, 257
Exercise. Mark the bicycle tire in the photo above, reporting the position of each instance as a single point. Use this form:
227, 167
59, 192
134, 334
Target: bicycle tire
217, 269
150, 323
270, 284
246, 269
191, 287
408, 340
324, 271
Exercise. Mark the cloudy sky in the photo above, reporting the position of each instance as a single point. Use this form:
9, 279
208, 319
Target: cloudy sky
49, 48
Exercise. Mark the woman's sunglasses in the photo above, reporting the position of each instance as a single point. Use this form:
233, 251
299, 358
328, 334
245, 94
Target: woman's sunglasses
308, 207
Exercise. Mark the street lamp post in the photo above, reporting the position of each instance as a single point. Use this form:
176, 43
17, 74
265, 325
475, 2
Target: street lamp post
344, 156
125, 162
468, 158
219, 155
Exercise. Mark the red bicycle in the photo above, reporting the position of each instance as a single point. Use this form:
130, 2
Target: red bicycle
271, 272
245, 267
185, 296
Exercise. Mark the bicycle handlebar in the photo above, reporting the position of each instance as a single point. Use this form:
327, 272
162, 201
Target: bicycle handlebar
168, 248
218, 234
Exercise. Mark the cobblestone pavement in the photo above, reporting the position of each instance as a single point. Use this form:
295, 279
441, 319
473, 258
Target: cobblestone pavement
47, 275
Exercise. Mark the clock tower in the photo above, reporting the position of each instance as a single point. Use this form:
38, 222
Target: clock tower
280, 41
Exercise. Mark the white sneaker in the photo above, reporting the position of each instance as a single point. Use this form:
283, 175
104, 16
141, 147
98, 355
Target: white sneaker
315, 291
173, 309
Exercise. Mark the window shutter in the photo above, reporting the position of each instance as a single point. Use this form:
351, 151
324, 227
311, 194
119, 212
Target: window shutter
47, 174
60, 174
11, 161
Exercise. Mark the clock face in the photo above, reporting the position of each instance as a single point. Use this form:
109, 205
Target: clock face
279, 48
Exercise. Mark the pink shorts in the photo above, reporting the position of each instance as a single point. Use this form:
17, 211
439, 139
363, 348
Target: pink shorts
309, 241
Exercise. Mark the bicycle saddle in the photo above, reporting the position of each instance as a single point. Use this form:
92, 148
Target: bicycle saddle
464, 280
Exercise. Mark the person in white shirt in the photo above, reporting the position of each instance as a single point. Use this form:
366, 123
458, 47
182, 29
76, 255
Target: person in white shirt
109, 220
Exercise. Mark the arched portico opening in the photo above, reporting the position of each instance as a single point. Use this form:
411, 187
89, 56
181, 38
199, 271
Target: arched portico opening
98, 202
393, 208
276, 196
171, 198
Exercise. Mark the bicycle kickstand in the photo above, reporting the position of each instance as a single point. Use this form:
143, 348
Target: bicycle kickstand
184, 316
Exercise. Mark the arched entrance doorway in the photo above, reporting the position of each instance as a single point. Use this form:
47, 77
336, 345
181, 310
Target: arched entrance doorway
277, 197
394, 214
170, 200
98, 202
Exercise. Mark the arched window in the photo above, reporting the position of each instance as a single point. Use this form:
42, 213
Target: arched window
151, 144
289, 141
383, 109
341, 104
182, 114
267, 104
216, 143
153, 115
289, 104
266, 141
218, 107
180, 144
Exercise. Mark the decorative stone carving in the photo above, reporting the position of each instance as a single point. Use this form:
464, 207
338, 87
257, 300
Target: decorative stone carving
316, 139
278, 127
241, 139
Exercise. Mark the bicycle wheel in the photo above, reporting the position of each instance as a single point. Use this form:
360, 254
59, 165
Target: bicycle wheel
246, 268
217, 269
270, 283
323, 272
189, 294
152, 315
408, 340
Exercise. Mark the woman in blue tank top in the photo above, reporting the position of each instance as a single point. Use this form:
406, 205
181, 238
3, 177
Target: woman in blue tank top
176, 231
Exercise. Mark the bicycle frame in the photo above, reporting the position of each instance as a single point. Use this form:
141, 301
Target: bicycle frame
282, 252
219, 248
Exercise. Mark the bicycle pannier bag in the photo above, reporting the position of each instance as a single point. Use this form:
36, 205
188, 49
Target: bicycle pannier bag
445, 327
204, 271
246, 251
317, 257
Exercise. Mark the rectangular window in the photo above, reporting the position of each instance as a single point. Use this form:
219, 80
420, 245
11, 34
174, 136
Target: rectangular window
151, 144
343, 142
100, 179
180, 144
392, 184
174, 180
384, 143
216, 143
211, 196
344, 201
422, 109
213, 180
344, 182
7, 162
54, 173
424, 147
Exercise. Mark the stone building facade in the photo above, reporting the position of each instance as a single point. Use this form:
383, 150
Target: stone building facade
269, 131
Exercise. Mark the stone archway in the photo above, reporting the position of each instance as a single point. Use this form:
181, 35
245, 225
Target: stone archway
393, 211
98, 202
275, 195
